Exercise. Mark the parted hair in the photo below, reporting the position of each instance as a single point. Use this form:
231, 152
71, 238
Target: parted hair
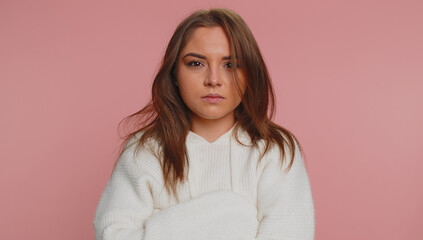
166, 118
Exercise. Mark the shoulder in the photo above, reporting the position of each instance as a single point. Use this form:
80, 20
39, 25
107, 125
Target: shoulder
142, 156
139, 145
284, 152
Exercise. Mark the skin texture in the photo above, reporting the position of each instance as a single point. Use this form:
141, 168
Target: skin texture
198, 77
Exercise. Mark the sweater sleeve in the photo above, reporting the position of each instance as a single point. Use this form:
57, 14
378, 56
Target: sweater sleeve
126, 209
285, 204
126, 202
212, 216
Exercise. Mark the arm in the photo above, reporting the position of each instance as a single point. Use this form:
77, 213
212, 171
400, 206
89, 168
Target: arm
214, 215
125, 210
285, 204
126, 202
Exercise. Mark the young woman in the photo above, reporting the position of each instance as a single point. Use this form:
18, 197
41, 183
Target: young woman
206, 161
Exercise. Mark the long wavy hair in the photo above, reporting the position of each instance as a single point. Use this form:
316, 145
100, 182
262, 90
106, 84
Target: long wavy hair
167, 119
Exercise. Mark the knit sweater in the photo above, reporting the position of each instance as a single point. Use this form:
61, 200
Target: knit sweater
228, 195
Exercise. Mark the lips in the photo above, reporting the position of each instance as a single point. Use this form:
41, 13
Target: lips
213, 98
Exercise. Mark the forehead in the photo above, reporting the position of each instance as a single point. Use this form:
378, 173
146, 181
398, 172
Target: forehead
208, 40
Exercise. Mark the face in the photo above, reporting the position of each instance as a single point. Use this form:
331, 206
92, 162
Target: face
204, 76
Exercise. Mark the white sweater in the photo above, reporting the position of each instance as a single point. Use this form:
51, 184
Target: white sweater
225, 196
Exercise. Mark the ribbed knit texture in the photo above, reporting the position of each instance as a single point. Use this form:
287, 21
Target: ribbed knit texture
228, 195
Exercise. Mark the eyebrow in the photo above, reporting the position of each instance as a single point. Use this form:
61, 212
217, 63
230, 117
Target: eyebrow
203, 57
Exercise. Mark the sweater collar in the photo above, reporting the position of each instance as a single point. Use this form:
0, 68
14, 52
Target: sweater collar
194, 138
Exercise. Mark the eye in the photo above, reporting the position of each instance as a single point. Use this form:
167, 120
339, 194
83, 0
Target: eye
194, 64
229, 65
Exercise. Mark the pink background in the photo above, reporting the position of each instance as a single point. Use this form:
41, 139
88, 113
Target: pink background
348, 77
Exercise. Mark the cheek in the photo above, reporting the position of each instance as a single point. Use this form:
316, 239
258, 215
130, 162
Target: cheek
239, 93
186, 80
186, 84
187, 91
183, 84
184, 93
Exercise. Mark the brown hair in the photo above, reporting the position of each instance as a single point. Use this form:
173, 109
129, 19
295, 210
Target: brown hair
166, 118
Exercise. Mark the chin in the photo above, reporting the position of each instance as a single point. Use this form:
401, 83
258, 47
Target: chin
212, 116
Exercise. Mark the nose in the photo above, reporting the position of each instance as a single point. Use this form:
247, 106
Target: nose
213, 77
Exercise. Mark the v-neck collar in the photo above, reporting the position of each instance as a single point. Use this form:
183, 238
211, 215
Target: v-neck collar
194, 138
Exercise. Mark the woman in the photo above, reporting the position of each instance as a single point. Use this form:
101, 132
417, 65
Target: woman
206, 161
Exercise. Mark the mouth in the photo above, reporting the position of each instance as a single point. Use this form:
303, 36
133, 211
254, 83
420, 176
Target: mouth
213, 98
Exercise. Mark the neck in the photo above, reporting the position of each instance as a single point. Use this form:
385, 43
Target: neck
212, 129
